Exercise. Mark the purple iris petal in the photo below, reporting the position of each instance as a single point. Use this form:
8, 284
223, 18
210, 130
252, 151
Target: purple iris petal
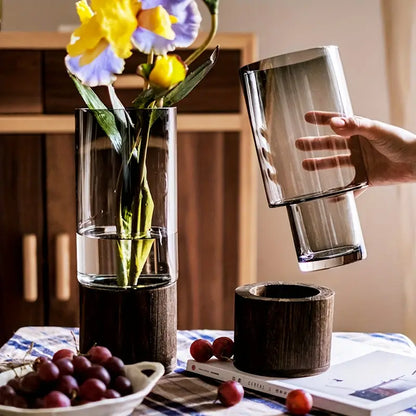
100, 71
186, 28
146, 41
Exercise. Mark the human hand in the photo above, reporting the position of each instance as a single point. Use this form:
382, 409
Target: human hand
388, 152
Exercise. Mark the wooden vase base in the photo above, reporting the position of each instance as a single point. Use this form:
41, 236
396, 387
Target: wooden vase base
135, 324
283, 329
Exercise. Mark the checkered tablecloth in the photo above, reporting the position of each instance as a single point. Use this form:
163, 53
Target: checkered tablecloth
180, 393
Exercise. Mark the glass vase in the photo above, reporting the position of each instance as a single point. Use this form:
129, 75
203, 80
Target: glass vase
280, 91
127, 232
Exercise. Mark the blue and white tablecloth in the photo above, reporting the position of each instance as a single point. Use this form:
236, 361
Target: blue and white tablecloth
180, 393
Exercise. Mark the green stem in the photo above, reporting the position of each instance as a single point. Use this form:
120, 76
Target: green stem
121, 243
213, 31
150, 59
139, 214
138, 207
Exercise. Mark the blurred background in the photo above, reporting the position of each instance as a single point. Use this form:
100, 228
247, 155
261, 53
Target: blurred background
375, 39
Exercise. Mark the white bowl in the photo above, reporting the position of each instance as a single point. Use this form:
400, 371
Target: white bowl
123, 406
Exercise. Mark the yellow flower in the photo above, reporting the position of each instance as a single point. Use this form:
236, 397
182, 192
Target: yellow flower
104, 23
167, 71
158, 21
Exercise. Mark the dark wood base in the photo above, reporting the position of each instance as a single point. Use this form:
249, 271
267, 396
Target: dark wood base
283, 329
135, 324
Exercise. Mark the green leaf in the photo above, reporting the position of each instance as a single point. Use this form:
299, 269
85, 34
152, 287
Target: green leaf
181, 90
123, 247
212, 5
191, 81
146, 207
105, 118
140, 248
145, 98
143, 250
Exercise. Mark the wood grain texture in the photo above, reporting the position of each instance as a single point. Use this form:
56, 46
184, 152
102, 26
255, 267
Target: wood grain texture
64, 123
59, 40
282, 329
136, 325
20, 82
208, 184
21, 213
200, 229
61, 213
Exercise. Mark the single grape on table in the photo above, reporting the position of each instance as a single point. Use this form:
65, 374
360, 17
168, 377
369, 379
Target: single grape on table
230, 393
68, 379
299, 402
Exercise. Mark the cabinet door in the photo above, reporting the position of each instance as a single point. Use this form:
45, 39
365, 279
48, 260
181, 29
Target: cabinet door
21, 219
208, 215
61, 225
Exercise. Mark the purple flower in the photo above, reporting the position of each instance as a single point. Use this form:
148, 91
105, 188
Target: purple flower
100, 71
179, 31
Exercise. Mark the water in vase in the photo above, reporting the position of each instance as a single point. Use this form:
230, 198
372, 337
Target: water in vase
98, 262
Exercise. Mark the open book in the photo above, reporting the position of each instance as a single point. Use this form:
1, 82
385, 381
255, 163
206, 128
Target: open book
362, 380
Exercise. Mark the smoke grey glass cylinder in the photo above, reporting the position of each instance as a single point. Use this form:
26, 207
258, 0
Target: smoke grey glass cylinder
279, 91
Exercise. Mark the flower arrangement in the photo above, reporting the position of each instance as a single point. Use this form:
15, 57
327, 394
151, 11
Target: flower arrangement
110, 30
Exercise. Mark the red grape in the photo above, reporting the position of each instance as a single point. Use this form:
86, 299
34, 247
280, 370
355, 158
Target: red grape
98, 354
97, 371
30, 383
114, 366
56, 399
123, 385
230, 393
111, 394
80, 364
92, 389
223, 348
201, 350
6, 393
67, 385
65, 366
14, 383
48, 371
299, 402
19, 401
39, 361
63, 353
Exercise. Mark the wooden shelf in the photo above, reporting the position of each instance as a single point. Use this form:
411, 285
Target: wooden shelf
61, 124
53, 40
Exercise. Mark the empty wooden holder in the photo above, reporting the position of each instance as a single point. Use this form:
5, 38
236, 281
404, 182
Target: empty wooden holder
283, 329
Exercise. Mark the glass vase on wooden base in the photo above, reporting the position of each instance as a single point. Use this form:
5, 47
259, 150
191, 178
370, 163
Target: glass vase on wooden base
127, 232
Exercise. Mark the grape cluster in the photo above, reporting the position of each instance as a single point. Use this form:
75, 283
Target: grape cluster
68, 380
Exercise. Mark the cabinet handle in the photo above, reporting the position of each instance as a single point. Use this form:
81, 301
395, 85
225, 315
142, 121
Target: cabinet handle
30, 268
62, 272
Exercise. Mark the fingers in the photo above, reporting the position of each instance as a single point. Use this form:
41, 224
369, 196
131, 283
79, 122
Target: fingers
348, 126
314, 164
321, 143
320, 117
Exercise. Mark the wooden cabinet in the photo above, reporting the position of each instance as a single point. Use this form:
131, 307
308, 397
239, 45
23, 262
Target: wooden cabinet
216, 185
22, 224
